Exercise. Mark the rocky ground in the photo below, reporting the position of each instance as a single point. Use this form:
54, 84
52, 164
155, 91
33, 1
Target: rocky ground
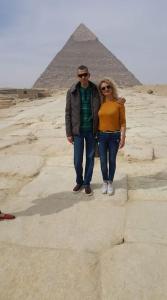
65, 246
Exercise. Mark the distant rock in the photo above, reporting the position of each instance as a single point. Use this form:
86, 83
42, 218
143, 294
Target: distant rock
150, 92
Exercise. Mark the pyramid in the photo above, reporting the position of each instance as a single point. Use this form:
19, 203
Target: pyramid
84, 48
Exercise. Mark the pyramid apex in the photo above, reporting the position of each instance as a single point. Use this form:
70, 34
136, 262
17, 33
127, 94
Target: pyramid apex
83, 33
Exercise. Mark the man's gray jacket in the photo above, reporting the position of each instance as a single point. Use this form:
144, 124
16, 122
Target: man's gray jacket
72, 110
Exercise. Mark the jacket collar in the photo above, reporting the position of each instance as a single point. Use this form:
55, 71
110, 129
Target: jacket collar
75, 86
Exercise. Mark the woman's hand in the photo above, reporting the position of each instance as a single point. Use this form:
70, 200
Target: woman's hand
122, 142
121, 100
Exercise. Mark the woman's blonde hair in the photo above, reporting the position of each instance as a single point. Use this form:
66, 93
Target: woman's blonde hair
113, 87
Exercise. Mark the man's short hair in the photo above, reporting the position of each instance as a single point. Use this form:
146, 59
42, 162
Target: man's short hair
82, 68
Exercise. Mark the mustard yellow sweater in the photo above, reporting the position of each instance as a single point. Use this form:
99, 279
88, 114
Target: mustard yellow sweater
111, 116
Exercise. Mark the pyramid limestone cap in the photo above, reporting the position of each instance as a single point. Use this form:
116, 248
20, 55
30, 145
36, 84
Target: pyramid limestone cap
82, 33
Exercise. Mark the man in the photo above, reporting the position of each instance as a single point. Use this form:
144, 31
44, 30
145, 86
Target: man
81, 119
6, 216
81, 116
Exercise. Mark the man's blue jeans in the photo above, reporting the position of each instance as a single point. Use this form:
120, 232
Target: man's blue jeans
88, 139
108, 148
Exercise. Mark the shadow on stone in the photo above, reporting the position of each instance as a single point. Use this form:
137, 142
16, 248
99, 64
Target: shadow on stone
157, 180
54, 203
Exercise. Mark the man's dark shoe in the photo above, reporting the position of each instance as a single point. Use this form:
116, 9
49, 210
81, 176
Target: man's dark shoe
88, 190
77, 188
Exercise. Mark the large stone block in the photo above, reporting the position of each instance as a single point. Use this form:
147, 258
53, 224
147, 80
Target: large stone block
40, 274
138, 152
48, 213
149, 185
10, 141
133, 271
66, 221
20, 165
146, 222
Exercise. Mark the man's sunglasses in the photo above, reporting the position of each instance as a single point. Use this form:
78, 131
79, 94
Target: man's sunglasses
107, 87
83, 75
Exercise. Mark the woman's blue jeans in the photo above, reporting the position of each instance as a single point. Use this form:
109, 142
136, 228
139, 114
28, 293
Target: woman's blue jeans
108, 148
88, 139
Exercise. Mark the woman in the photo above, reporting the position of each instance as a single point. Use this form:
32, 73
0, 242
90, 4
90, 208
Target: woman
112, 128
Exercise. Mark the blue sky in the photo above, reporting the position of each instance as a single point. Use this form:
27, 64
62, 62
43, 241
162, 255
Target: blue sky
33, 31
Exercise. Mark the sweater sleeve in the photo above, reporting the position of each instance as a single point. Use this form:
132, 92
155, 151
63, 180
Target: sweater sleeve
122, 115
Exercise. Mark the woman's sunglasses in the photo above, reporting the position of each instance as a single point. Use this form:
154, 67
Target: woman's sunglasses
107, 87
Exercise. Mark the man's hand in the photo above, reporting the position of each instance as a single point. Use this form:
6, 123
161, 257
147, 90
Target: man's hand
121, 100
70, 139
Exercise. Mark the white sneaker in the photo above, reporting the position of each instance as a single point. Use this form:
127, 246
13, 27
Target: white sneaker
104, 187
110, 189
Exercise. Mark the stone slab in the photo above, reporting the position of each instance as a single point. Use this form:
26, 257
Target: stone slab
10, 141
146, 222
48, 213
134, 271
160, 150
66, 223
56, 178
40, 274
148, 186
138, 152
60, 161
20, 165
8, 183
51, 180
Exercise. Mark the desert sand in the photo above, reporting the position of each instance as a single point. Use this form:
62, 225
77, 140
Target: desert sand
67, 246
